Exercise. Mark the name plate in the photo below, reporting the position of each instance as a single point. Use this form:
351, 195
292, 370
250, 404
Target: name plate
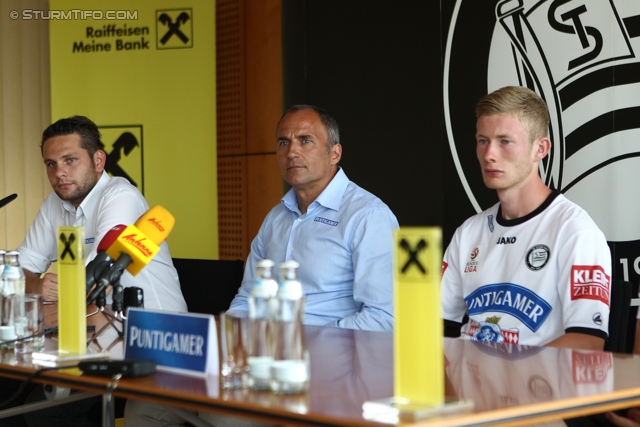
184, 342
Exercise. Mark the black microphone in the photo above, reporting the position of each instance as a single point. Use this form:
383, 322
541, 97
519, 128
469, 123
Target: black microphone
109, 277
133, 297
118, 299
7, 200
102, 261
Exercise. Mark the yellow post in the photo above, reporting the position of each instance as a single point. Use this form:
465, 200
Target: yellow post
72, 320
418, 352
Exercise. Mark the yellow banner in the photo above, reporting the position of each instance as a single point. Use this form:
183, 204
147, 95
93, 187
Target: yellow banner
418, 353
144, 72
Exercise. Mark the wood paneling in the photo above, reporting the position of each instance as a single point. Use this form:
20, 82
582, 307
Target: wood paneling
249, 83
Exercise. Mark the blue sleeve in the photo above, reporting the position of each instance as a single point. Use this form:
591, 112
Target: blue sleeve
373, 272
240, 305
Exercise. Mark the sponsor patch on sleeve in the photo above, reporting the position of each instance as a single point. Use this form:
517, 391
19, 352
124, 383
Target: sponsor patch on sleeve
590, 282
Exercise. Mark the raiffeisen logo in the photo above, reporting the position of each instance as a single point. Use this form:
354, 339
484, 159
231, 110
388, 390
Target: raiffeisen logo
156, 223
137, 243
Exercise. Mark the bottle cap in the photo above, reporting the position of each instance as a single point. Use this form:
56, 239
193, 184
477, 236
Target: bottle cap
7, 333
265, 263
264, 286
289, 286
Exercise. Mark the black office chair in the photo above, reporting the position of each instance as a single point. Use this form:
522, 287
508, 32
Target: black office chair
622, 329
209, 285
622, 317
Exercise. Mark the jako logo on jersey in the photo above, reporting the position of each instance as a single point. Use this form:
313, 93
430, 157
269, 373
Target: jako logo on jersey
511, 299
597, 318
591, 368
506, 240
589, 282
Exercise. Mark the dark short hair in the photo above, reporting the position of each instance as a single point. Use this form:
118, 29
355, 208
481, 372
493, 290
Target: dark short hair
331, 125
83, 126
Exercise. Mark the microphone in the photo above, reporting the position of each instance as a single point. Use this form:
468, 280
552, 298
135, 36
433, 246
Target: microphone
135, 247
8, 200
102, 261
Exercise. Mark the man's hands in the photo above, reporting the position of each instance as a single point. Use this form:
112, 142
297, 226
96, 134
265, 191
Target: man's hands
632, 420
46, 285
50, 287
633, 414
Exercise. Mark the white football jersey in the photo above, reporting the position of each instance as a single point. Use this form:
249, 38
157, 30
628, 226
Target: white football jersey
528, 280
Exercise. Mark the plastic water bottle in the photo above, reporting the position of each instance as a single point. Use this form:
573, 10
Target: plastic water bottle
13, 290
290, 368
2, 264
7, 333
261, 299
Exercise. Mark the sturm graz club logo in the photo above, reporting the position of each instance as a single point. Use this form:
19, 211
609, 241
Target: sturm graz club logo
581, 57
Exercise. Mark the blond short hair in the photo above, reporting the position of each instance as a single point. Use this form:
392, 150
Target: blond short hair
520, 102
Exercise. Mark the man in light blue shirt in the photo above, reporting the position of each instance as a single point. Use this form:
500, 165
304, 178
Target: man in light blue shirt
341, 235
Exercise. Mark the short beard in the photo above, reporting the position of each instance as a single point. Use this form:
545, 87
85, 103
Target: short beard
79, 194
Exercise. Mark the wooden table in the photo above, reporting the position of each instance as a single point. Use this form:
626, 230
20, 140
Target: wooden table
509, 385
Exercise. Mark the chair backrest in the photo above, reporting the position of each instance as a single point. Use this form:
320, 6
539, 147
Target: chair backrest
209, 285
622, 317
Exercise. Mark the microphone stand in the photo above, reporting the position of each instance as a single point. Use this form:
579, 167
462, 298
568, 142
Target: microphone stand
122, 298
117, 307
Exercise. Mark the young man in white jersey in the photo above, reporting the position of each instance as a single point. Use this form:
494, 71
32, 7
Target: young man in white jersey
534, 267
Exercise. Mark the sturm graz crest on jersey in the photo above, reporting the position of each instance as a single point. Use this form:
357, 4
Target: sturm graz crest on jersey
581, 57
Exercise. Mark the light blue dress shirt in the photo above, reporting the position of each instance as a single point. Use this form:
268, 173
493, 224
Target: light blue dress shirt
344, 244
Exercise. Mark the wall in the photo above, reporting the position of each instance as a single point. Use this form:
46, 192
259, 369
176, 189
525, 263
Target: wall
402, 79
375, 66
249, 105
24, 112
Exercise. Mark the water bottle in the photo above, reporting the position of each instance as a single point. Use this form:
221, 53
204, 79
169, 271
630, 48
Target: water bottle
261, 299
2, 264
7, 333
290, 368
13, 290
